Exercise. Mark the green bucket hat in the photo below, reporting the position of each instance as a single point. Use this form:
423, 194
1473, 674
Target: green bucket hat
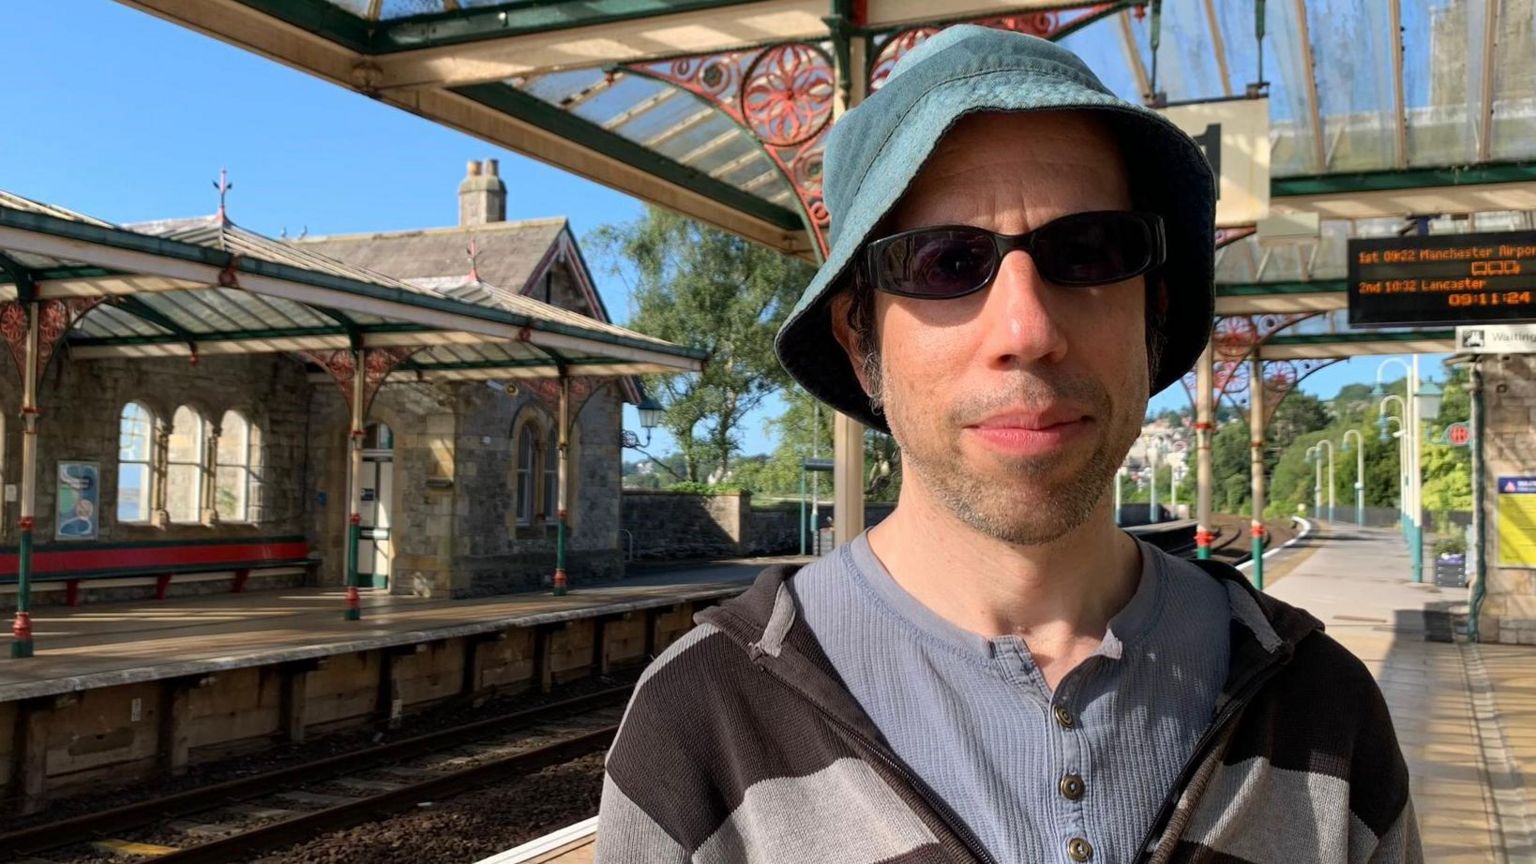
876, 149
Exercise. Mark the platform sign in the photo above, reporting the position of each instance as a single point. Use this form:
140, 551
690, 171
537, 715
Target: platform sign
1517, 521
1442, 279
1235, 137
77, 501
1496, 339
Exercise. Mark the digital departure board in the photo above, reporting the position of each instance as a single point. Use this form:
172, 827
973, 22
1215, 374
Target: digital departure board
1442, 279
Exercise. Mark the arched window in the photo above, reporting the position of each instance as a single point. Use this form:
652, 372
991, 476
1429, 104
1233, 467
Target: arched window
232, 469
135, 446
184, 467
527, 471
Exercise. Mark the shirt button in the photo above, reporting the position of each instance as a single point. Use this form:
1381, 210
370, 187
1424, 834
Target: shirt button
1064, 717
1079, 849
1072, 787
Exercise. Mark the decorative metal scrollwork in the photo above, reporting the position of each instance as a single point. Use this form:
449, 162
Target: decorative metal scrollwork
786, 97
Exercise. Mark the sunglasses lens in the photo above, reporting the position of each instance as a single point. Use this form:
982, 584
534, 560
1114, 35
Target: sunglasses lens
942, 262
1094, 248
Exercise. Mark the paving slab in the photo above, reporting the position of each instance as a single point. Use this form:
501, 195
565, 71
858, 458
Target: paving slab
1465, 714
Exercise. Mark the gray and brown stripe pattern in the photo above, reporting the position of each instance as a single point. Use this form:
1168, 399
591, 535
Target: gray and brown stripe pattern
742, 745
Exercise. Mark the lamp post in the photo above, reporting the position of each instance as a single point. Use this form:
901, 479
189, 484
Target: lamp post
1328, 445
1426, 406
1382, 419
1316, 459
1175, 475
1359, 473
1414, 521
1155, 445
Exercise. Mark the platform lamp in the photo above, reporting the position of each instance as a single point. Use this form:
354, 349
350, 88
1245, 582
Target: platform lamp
1359, 473
1314, 457
650, 417
1426, 406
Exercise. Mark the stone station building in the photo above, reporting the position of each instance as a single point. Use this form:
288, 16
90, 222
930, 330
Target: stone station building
249, 451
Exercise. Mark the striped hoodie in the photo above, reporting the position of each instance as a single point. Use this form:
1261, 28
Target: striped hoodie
742, 745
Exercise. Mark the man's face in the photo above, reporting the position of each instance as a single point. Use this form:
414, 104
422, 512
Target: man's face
1014, 405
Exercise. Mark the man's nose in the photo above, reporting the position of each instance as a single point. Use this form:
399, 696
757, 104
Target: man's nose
1021, 327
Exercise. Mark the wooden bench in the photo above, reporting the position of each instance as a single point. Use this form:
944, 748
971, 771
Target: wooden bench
107, 565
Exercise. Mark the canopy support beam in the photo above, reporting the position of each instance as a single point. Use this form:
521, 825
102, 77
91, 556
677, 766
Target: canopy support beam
1309, 68
1399, 105
1485, 110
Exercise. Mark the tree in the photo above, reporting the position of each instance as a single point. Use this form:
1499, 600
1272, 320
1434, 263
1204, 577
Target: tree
1296, 415
704, 288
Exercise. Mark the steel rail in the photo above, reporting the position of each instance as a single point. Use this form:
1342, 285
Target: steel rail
52, 835
248, 844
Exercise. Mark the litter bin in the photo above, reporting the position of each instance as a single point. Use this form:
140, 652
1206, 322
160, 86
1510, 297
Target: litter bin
1451, 570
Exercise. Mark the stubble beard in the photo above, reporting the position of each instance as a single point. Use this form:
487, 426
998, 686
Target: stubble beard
1046, 500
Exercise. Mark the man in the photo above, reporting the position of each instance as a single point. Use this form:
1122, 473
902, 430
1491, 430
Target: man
996, 672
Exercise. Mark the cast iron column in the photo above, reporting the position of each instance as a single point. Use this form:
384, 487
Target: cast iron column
560, 482
1205, 375
22, 628
354, 480
1256, 433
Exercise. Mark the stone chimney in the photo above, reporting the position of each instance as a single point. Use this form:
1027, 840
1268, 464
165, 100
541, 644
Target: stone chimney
482, 195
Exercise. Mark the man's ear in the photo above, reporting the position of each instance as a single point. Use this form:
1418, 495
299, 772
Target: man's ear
837, 309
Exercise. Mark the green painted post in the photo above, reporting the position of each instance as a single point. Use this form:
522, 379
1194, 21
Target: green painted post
1258, 558
22, 630
560, 584
354, 534
802, 511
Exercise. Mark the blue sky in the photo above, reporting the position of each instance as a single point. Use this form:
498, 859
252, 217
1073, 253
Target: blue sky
126, 117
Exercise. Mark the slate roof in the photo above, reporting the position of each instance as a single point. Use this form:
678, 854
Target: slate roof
507, 254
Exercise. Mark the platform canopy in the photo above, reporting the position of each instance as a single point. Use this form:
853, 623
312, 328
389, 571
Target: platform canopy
201, 287
717, 108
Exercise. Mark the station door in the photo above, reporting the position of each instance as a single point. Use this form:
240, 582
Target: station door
375, 549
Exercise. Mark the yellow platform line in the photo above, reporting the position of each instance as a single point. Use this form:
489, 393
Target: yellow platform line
128, 847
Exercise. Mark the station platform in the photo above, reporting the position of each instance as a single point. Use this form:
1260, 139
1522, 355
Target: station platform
1465, 713
111, 644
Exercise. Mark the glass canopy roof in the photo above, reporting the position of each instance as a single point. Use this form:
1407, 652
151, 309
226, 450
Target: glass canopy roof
655, 97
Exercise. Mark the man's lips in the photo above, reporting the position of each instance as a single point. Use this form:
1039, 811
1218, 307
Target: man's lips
1030, 433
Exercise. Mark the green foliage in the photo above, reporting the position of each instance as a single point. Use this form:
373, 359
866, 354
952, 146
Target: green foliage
1446, 470
704, 288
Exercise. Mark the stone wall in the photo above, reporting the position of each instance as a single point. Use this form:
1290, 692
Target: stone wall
685, 525
1508, 612
677, 525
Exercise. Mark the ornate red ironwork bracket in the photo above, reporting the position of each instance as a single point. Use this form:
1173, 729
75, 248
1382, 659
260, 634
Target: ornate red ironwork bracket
55, 317
783, 94
377, 364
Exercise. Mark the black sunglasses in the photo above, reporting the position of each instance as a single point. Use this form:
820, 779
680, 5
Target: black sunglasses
1081, 250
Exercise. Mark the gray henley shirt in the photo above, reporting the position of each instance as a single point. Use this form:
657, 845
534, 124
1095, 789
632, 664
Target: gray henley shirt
1037, 776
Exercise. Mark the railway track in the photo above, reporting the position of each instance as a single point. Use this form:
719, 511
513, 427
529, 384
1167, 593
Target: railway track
240, 820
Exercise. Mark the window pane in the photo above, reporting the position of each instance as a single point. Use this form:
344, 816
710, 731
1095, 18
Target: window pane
133, 434
234, 440
183, 490
230, 493
186, 443
132, 492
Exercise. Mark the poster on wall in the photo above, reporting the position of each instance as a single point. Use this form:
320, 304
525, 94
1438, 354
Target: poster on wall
1517, 521
77, 501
